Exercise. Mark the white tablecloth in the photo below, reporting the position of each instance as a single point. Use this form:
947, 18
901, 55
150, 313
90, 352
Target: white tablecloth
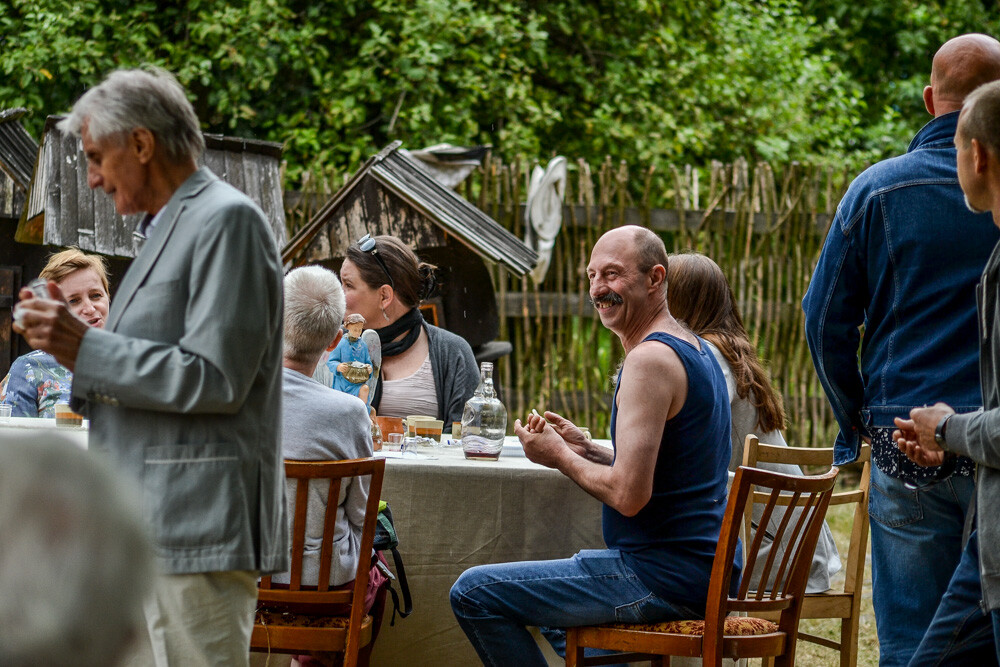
451, 514
27, 427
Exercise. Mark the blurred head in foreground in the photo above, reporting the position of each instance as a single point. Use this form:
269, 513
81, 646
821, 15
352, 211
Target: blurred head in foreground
75, 560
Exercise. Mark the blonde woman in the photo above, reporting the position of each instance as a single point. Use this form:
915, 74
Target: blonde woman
36, 381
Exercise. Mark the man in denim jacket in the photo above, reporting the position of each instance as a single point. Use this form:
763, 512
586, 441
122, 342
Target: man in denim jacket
960, 632
902, 258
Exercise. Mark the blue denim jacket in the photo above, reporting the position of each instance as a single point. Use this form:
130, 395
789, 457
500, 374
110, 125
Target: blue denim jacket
902, 257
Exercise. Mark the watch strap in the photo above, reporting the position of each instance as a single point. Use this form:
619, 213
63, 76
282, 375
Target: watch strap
939, 431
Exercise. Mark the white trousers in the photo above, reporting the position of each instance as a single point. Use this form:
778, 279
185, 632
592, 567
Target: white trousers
197, 620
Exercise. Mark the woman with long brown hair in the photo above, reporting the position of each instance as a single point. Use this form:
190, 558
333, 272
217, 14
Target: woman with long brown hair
699, 295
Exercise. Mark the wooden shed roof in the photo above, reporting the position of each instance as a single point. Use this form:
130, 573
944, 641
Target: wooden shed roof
404, 177
17, 158
63, 210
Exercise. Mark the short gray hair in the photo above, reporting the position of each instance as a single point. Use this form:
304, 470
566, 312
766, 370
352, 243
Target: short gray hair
132, 98
980, 118
314, 310
76, 560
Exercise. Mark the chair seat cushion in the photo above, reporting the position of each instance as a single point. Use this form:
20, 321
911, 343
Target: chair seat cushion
275, 618
738, 626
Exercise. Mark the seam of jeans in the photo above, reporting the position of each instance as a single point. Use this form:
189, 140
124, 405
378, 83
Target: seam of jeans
953, 635
473, 627
468, 591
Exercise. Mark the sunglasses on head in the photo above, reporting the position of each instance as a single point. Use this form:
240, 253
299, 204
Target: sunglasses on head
367, 244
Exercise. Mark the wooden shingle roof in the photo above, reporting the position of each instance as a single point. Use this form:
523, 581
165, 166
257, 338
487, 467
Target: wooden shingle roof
17, 158
405, 178
62, 210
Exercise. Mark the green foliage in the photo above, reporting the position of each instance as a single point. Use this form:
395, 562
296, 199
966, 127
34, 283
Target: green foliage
658, 83
887, 46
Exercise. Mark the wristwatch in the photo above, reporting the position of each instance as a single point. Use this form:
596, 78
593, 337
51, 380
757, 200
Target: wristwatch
939, 430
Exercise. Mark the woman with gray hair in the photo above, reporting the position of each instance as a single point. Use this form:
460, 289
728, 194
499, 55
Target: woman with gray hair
319, 423
322, 424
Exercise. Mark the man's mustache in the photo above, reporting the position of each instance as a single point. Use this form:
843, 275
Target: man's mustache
609, 299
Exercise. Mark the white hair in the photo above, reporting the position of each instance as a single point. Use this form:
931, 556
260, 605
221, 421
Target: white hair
75, 561
314, 310
132, 98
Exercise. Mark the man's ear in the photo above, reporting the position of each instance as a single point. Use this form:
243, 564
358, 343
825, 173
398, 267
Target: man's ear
657, 276
336, 340
143, 143
980, 156
929, 99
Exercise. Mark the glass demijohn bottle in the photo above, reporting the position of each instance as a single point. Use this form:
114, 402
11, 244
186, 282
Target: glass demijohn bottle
484, 422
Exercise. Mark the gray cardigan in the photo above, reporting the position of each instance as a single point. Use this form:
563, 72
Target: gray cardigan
977, 434
456, 374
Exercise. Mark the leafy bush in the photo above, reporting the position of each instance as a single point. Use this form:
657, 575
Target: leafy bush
658, 83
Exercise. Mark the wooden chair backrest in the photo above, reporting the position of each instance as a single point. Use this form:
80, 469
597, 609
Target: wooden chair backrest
303, 597
755, 452
790, 570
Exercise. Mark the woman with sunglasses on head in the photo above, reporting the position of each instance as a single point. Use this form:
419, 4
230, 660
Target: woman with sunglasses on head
699, 295
37, 381
425, 370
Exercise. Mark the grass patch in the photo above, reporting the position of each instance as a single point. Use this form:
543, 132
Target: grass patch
841, 518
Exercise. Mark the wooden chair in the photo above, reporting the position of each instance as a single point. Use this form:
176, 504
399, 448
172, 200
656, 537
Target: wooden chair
292, 618
720, 635
843, 604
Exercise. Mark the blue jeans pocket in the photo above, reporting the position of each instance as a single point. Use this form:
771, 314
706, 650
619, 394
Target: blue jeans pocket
636, 611
891, 502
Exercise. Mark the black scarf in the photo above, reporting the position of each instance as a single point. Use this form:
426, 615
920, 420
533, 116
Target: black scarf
410, 323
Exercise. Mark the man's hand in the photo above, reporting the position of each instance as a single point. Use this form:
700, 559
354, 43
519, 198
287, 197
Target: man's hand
915, 436
577, 441
542, 444
48, 324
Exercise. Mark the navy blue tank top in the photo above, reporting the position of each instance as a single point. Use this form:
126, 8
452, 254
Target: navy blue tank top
670, 544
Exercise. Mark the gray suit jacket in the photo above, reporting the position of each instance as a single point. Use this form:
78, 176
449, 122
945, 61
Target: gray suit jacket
183, 386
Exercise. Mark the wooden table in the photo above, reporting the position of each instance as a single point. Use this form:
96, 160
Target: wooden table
451, 514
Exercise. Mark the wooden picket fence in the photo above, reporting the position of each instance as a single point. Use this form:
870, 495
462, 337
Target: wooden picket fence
763, 224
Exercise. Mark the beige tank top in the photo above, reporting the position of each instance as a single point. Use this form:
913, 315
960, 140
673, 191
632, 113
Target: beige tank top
414, 395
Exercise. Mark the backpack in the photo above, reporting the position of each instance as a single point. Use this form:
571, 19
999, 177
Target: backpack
386, 539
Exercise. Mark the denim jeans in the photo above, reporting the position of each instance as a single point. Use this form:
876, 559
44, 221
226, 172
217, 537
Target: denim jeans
916, 536
961, 633
495, 603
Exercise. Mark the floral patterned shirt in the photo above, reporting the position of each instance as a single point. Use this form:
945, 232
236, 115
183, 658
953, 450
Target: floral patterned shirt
35, 384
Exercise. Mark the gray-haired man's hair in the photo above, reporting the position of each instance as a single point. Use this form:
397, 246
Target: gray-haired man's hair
76, 560
981, 117
314, 310
133, 98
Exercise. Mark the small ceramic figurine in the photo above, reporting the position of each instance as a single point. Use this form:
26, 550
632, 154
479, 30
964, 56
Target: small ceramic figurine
356, 360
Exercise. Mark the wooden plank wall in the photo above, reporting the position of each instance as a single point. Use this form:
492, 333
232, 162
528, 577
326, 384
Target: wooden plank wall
76, 215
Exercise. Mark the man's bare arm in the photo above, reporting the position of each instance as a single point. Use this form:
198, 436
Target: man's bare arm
653, 389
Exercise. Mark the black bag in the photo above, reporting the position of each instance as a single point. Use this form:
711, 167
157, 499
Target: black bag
385, 539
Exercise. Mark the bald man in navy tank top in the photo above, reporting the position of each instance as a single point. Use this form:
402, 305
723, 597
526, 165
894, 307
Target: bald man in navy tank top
663, 484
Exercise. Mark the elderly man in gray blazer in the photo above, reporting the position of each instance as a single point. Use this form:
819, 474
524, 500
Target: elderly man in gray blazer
183, 385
